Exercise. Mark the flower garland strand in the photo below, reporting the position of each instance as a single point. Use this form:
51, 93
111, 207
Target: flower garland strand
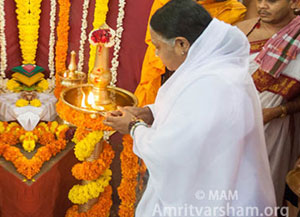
3, 60
101, 8
81, 119
92, 170
80, 194
100, 209
28, 15
85, 147
83, 35
117, 47
52, 39
96, 173
129, 170
62, 32
61, 48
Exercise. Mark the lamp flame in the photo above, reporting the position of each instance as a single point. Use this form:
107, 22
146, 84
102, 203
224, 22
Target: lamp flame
91, 99
83, 101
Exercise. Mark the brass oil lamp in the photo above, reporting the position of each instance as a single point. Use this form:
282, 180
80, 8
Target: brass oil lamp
71, 76
96, 98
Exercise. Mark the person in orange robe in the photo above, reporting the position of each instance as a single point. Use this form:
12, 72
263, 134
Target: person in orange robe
229, 11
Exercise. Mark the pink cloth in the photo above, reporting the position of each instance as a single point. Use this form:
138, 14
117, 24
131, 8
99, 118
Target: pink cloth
283, 47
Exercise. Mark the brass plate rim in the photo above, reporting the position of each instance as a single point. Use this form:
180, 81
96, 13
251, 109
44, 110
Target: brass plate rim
63, 93
82, 76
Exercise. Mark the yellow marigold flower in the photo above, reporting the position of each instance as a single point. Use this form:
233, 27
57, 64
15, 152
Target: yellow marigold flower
28, 145
60, 128
35, 103
21, 103
53, 126
12, 85
2, 128
80, 194
43, 85
86, 146
11, 125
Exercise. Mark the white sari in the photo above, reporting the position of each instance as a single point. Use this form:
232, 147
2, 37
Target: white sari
207, 133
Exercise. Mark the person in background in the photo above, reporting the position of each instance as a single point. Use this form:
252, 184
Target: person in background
275, 68
251, 9
204, 133
153, 70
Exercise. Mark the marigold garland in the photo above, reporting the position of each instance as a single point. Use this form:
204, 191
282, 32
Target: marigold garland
101, 8
84, 148
28, 141
28, 15
61, 45
129, 170
80, 194
100, 209
13, 85
10, 134
42, 85
80, 119
92, 170
52, 126
2, 127
80, 134
97, 172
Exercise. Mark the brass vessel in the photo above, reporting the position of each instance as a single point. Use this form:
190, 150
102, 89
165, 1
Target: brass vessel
74, 97
71, 76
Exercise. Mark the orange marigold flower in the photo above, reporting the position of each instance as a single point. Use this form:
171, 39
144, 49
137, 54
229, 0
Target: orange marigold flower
30, 167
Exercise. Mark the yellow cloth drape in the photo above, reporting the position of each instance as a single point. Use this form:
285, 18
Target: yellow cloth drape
230, 11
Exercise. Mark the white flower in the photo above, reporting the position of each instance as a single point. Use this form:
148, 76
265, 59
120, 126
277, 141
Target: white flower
52, 39
3, 60
83, 36
117, 47
51, 83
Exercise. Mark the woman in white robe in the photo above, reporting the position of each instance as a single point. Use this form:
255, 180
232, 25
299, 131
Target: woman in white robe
206, 132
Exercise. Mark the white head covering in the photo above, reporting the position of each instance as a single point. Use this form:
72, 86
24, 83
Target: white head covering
207, 133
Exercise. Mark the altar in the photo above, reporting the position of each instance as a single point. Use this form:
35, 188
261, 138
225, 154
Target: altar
27, 116
45, 196
42, 171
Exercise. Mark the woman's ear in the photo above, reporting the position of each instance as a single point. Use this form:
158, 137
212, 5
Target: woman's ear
182, 45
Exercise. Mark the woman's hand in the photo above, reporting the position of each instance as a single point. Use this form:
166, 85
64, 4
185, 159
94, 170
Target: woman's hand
143, 113
119, 120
